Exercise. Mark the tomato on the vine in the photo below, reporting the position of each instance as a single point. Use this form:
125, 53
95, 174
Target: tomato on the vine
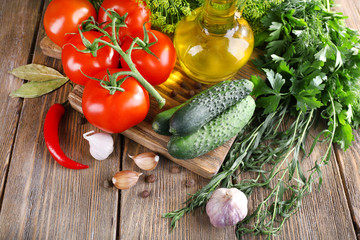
118, 112
63, 17
138, 15
76, 63
155, 70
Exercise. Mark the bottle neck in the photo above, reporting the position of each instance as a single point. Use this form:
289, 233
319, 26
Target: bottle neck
218, 16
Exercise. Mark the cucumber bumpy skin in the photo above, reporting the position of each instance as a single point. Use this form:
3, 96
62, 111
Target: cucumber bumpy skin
215, 133
162, 121
207, 105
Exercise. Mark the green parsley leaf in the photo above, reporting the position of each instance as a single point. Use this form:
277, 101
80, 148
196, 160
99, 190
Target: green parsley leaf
260, 87
344, 136
270, 103
275, 80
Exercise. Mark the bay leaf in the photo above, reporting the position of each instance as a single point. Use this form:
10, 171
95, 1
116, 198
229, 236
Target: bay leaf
36, 72
35, 89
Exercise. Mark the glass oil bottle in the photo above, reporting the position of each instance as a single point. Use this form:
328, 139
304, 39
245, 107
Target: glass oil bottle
214, 41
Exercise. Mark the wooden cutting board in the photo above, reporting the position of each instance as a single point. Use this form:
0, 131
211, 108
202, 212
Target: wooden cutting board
176, 90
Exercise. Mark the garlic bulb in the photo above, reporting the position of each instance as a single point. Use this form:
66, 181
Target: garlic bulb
146, 161
125, 179
227, 207
101, 144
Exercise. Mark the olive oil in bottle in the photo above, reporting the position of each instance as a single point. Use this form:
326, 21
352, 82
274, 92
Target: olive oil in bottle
214, 41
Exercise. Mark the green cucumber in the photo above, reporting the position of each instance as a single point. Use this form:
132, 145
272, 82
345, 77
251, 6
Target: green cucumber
213, 134
207, 105
161, 121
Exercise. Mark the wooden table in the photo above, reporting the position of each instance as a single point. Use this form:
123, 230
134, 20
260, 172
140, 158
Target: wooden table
41, 200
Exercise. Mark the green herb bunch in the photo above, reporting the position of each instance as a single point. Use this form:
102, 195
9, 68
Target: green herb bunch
256, 9
315, 56
166, 13
311, 62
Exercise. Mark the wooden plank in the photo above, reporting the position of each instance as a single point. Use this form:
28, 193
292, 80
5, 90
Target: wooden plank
140, 218
349, 161
49, 48
16, 38
44, 200
324, 213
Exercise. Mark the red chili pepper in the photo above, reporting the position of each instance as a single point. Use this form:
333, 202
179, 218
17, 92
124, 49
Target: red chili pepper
51, 129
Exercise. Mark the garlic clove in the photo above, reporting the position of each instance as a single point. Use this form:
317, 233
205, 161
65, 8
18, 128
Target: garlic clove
146, 161
125, 179
101, 144
227, 207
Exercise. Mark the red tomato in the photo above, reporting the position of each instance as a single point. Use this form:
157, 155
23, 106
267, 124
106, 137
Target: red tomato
118, 112
73, 60
64, 16
138, 14
154, 70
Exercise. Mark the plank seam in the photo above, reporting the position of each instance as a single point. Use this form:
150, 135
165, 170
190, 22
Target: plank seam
21, 102
351, 209
118, 222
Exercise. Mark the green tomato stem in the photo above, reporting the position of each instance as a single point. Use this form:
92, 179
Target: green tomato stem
127, 58
136, 74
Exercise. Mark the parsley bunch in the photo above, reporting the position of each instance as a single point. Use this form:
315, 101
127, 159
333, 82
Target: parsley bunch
310, 56
311, 62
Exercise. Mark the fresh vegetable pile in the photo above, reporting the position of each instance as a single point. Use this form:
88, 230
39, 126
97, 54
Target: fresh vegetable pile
93, 47
113, 53
207, 120
311, 62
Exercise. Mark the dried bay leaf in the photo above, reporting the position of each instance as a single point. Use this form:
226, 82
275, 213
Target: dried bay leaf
35, 89
36, 72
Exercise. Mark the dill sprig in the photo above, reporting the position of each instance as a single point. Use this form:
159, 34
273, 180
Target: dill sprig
166, 13
256, 9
